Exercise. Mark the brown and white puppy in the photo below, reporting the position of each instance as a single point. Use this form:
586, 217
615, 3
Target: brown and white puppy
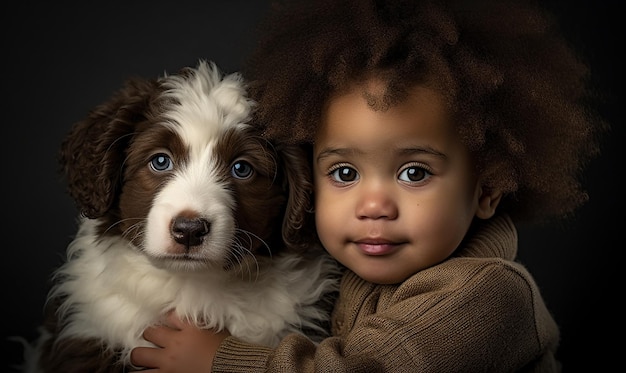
184, 207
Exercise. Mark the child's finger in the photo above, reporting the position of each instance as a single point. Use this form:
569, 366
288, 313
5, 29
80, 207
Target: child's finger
174, 321
159, 335
144, 357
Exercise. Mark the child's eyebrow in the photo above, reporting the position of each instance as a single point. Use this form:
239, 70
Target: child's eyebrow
421, 150
328, 152
426, 150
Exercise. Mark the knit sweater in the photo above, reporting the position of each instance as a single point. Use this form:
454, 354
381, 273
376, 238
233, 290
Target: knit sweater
478, 311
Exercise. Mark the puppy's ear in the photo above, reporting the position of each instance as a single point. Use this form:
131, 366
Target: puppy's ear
298, 225
92, 155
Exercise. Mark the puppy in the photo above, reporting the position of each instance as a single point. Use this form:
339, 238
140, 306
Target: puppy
184, 207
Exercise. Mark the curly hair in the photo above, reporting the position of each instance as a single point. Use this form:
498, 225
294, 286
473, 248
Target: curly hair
519, 93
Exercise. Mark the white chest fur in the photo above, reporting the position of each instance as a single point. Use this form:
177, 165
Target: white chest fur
114, 292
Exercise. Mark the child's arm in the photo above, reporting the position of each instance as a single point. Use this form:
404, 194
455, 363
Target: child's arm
466, 315
184, 347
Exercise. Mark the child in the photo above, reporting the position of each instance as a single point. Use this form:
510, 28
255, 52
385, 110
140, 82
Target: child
433, 127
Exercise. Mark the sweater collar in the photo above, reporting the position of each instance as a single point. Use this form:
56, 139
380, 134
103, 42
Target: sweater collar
494, 237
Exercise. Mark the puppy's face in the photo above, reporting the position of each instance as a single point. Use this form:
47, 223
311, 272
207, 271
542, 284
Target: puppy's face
195, 199
173, 167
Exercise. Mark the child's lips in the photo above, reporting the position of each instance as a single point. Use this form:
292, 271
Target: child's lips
376, 246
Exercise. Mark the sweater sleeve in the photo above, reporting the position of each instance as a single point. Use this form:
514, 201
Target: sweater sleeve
295, 353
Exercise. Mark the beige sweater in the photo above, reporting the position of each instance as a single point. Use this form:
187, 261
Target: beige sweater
478, 311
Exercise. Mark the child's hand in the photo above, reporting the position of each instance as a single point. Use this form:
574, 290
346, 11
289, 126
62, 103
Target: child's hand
184, 348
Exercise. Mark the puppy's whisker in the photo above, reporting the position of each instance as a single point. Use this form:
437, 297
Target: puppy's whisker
250, 235
245, 253
242, 255
236, 258
240, 236
132, 233
122, 221
137, 228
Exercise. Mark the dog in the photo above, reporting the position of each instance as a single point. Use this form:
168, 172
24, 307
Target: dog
184, 207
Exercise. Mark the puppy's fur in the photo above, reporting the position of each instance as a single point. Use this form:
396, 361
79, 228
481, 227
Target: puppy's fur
184, 207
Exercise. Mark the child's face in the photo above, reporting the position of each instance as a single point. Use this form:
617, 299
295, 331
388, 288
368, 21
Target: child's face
395, 191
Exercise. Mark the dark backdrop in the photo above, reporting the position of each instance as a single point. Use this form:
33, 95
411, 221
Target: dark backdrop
60, 61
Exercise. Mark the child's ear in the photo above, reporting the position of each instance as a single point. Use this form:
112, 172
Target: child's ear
488, 200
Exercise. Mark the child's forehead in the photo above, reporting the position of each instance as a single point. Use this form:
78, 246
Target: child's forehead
421, 114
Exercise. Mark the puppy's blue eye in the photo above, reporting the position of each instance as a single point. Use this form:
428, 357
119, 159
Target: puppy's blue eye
161, 162
242, 170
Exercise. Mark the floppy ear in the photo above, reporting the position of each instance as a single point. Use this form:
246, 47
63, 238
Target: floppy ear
297, 227
92, 154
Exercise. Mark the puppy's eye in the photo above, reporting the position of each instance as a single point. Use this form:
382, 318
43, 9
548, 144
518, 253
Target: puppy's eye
241, 170
161, 162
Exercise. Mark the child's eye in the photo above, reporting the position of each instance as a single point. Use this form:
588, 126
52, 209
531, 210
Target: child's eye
414, 174
343, 174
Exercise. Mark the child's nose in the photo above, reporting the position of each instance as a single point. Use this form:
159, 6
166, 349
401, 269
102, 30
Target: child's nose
377, 204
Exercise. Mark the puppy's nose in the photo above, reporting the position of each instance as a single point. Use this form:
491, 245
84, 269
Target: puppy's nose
189, 232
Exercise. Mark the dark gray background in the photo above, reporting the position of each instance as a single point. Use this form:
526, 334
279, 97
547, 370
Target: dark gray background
60, 61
